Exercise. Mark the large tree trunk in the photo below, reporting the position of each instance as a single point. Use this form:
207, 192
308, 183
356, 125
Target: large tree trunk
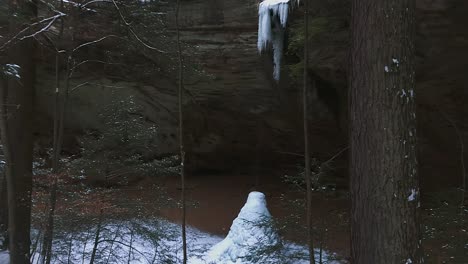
3, 211
383, 164
16, 94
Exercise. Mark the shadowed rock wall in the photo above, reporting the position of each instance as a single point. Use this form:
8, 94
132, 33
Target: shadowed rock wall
236, 115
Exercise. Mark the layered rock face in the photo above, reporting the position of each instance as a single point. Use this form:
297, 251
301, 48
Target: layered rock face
241, 115
237, 115
247, 113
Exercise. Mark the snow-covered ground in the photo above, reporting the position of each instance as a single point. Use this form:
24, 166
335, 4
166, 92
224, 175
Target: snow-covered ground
147, 249
251, 240
3, 257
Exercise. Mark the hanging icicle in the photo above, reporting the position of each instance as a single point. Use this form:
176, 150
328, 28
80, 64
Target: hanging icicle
272, 21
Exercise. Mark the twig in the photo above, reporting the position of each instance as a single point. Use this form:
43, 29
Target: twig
127, 245
95, 1
72, 70
462, 159
94, 42
336, 155
42, 29
96, 84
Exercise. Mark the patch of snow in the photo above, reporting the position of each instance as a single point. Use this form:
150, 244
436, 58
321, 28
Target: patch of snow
403, 93
159, 241
4, 257
386, 68
413, 195
409, 261
156, 241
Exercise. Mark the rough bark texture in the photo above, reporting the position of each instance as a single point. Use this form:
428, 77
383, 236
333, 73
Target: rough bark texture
384, 184
16, 127
3, 211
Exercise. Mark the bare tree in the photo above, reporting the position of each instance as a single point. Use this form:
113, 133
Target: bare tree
383, 163
307, 175
181, 132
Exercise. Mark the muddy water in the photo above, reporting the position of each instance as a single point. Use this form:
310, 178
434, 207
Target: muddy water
215, 200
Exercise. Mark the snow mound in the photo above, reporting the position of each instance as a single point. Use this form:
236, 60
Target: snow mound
251, 233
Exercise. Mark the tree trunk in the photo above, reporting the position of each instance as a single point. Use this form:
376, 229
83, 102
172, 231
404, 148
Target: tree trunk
61, 118
307, 175
49, 230
181, 134
55, 153
16, 95
3, 212
383, 164
57, 113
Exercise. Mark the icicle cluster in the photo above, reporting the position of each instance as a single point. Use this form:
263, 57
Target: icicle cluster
251, 232
272, 21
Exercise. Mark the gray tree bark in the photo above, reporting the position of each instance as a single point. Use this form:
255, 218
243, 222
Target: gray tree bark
3, 211
383, 164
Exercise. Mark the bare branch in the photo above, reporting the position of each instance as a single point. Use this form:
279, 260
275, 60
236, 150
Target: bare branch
133, 32
97, 84
94, 42
49, 21
72, 70
95, 1
44, 29
462, 158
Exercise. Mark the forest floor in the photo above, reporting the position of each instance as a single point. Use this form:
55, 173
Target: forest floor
214, 200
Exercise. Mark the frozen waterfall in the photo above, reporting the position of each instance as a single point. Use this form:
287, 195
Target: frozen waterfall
272, 21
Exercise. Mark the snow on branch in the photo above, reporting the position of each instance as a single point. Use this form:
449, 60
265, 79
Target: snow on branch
23, 34
272, 22
12, 70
